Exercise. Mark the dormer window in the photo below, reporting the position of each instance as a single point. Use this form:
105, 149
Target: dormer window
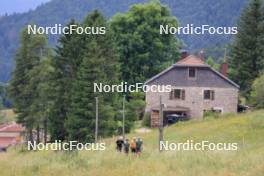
192, 73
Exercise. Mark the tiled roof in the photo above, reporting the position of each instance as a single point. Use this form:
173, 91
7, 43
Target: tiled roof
3, 125
191, 61
7, 141
12, 128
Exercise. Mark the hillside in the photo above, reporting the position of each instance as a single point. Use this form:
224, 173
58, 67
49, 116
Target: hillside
9, 8
246, 129
197, 12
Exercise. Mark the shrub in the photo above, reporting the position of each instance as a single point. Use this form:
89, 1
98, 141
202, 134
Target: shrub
146, 120
211, 114
257, 93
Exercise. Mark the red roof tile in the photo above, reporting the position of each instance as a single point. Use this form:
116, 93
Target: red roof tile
191, 61
7, 141
3, 125
12, 128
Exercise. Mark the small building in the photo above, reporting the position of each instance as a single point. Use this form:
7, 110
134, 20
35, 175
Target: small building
196, 88
11, 134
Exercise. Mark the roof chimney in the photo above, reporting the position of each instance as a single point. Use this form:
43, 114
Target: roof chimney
202, 55
184, 54
224, 69
224, 66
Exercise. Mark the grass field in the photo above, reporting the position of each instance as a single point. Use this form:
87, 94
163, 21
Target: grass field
245, 129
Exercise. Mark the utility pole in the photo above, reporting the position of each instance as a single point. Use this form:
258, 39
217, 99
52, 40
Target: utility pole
160, 123
123, 129
96, 119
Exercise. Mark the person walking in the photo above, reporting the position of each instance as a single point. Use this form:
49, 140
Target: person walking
139, 144
133, 145
126, 146
119, 144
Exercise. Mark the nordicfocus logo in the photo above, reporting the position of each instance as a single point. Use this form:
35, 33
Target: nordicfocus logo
58, 29
66, 146
190, 145
124, 87
191, 29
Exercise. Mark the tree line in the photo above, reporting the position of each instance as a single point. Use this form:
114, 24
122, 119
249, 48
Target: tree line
52, 89
247, 54
192, 11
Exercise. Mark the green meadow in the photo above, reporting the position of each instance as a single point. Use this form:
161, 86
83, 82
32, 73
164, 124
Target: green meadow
245, 129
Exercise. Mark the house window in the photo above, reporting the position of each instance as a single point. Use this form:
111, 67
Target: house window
177, 94
209, 94
192, 72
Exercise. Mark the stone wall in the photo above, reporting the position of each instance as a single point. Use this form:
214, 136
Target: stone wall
226, 99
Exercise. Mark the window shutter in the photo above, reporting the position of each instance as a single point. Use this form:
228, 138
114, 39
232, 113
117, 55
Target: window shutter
183, 94
213, 95
171, 95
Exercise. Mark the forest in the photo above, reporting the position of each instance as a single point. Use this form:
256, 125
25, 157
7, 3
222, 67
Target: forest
197, 12
52, 89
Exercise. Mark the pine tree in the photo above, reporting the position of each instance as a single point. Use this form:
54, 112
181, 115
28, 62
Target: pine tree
28, 55
66, 64
81, 121
41, 82
248, 48
99, 65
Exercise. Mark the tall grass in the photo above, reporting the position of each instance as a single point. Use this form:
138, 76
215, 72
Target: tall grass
246, 129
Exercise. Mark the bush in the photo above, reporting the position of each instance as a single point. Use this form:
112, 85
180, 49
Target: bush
135, 111
211, 114
257, 93
135, 108
146, 120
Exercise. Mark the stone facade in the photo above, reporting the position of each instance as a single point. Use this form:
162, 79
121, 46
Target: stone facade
226, 100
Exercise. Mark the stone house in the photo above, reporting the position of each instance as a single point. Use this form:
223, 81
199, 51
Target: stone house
196, 88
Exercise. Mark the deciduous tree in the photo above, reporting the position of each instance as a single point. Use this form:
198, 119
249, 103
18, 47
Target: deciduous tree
144, 52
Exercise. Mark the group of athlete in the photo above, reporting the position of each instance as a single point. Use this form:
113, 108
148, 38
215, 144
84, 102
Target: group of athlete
134, 146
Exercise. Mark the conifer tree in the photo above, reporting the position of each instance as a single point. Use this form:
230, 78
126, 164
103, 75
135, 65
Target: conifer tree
66, 64
41, 82
248, 48
27, 57
99, 65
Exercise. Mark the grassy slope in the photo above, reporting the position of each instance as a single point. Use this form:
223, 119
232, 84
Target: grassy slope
246, 129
